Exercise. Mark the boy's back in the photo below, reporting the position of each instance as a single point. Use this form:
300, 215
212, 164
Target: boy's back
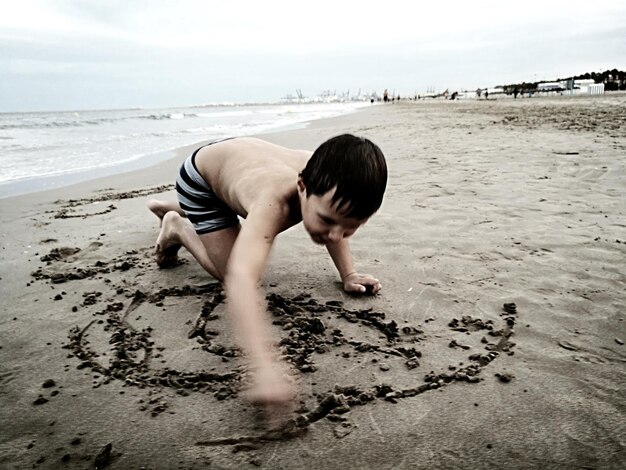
245, 171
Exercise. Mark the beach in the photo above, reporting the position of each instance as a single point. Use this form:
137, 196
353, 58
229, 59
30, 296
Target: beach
497, 340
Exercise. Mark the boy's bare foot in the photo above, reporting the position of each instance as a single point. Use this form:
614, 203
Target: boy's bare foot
168, 243
160, 208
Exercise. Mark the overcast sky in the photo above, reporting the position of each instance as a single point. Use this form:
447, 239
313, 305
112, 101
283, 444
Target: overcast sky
71, 54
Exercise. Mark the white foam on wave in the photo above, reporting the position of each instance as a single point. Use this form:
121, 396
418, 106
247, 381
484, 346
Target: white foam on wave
220, 114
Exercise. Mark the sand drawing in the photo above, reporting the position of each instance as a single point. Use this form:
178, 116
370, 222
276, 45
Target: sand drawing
309, 329
72, 208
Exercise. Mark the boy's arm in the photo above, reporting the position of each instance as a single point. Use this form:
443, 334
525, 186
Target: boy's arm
352, 280
247, 306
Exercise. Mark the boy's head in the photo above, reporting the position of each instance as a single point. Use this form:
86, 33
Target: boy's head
341, 186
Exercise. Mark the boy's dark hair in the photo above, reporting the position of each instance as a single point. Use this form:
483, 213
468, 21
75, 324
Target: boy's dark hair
356, 166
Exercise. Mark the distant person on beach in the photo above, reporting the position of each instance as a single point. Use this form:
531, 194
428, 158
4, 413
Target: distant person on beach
333, 192
385, 96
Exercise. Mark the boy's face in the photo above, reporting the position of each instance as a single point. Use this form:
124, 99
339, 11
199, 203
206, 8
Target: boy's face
321, 219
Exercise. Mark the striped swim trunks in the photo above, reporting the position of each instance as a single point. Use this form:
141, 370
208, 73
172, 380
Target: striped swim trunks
203, 208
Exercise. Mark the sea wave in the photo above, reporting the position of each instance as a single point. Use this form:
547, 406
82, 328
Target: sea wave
64, 122
226, 114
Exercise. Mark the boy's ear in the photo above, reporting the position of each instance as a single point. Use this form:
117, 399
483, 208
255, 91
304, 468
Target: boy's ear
301, 186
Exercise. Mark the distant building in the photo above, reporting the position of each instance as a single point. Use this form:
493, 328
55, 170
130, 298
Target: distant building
572, 87
583, 86
496, 90
596, 89
550, 86
582, 83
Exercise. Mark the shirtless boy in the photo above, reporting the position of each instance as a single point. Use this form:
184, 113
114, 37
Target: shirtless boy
332, 192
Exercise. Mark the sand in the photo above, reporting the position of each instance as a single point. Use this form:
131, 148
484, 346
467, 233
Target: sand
496, 342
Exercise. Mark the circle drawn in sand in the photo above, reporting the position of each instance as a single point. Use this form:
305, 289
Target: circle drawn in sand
306, 337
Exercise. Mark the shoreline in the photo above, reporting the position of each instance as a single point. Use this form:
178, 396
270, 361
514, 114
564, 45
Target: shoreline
496, 340
15, 188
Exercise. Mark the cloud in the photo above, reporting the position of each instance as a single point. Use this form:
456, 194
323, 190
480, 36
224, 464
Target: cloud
249, 26
192, 51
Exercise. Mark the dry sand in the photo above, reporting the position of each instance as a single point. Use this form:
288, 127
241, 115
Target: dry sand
107, 360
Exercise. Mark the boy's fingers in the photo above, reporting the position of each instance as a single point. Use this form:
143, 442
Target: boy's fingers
363, 284
277, 414
365, 288
354, 287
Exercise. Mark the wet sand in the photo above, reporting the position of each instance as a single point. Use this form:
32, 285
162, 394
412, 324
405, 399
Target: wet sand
496, 342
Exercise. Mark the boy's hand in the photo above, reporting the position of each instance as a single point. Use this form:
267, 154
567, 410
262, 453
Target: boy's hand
361, 284
274, 391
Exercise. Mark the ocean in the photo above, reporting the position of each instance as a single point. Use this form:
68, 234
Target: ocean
45, 150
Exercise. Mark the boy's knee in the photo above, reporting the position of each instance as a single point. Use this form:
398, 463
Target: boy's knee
172, 217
